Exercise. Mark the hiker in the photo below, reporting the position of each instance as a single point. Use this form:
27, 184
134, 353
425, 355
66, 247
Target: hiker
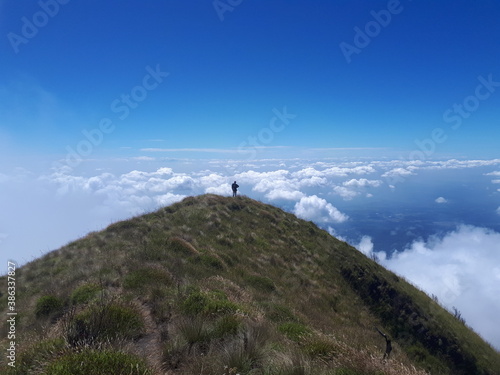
388, 345
235, 187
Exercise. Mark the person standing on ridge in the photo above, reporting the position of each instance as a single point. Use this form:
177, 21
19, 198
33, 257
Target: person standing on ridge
235, 187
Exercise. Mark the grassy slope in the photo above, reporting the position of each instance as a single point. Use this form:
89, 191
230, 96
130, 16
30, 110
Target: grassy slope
215, 285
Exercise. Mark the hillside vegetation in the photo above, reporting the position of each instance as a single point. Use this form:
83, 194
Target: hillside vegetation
217, 286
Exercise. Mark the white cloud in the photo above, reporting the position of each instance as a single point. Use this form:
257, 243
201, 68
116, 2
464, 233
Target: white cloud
460, 164
264, 181
365, 245
362, 182
343, 171
318, 210
462, 270
144, 158
313, 181
398, 172
277, 194
495, 181
223, 189
495, 173
308, 172
168, 199
441, 200
498, 210
345, 193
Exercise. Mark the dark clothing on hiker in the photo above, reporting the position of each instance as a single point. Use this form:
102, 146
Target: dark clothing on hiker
235, 187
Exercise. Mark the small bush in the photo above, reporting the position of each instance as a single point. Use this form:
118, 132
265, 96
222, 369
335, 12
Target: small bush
211, 303
48, 305
84, 293
294, 331
193, 331
98, 362
248, 353
237, 359
104, 322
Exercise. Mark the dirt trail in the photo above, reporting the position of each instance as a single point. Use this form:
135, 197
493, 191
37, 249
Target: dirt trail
149, 345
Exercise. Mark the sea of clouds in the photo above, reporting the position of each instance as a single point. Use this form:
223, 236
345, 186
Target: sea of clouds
461, 267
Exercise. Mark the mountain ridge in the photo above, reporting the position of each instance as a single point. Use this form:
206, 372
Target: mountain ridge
214, 285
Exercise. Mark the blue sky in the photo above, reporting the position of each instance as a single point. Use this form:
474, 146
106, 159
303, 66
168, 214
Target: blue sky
378, 120
226, 76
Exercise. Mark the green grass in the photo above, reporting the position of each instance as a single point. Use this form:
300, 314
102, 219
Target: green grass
84, 293
294, 331
145, 277
97, 362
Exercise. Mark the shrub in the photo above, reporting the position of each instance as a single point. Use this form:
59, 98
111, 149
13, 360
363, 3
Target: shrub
193, 330
247, 354
103, 322
97, 362
48, 305
211, 303
239, 360
84, 293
